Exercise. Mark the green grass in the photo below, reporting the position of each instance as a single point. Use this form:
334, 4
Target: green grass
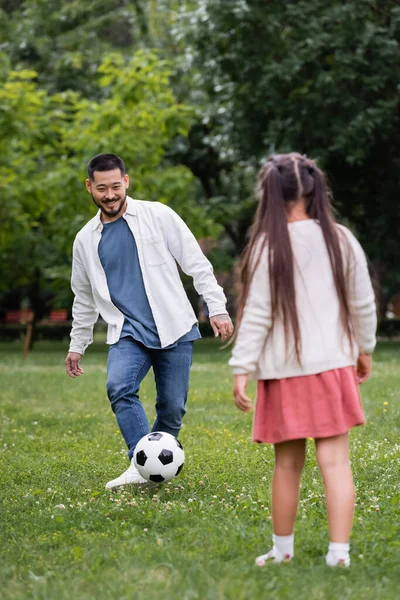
197, 537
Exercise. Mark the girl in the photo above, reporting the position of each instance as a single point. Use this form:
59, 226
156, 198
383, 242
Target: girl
306, 332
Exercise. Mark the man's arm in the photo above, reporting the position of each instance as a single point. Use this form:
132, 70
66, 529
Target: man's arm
185, 249
84, 314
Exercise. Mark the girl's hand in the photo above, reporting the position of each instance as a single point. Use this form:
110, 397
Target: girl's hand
364, 367
242, 401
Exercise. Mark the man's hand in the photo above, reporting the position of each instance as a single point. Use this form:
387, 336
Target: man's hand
364, 367
72, 364
242, 401
222, 325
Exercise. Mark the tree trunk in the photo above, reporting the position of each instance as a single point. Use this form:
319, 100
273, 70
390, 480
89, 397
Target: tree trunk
37, 306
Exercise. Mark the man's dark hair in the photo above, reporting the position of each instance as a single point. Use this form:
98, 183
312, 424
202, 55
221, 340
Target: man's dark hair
105, 162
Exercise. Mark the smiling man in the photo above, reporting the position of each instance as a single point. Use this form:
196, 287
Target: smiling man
124, 268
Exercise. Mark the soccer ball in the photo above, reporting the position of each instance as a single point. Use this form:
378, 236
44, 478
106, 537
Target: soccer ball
159, 457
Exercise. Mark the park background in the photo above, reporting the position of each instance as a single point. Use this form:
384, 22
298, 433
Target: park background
193, 95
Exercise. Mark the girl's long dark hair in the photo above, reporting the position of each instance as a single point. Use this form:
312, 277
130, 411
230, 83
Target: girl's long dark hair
284, 179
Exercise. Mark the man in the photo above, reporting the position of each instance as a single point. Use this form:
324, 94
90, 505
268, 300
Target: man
124, 267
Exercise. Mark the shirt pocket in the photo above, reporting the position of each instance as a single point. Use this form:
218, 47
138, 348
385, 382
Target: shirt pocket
154, 251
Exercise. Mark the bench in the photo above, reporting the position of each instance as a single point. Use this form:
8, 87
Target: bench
19, 316
18, 323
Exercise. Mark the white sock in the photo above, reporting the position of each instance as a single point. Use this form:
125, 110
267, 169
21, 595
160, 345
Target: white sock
284, 545
338, 554
282, 550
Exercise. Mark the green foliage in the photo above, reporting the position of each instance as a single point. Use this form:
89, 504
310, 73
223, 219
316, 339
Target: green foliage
65, 42
230, 83
313, 76
314, 60
63, 536
136, 119
30, 126
46, 141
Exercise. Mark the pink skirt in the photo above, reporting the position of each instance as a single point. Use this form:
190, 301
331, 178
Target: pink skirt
316, 406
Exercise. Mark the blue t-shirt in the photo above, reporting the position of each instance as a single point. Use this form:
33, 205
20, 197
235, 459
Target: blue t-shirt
119, 256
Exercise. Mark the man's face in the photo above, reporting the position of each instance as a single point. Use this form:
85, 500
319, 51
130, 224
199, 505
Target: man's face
108, 190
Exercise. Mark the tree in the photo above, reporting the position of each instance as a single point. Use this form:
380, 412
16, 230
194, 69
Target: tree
65, 42
30, 123
321, 78
46, 141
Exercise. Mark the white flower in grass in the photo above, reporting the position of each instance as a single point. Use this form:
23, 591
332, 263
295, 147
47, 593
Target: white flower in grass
60, 506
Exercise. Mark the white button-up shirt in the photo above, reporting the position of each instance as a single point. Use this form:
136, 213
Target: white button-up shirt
163, 241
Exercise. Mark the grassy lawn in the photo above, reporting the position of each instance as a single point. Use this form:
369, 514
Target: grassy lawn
197, 537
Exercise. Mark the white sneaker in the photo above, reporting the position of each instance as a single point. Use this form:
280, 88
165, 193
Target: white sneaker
131, 475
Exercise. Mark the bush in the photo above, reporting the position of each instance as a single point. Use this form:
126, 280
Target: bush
389, 327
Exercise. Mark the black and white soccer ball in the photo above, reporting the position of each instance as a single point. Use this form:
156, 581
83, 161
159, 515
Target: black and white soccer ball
159, 457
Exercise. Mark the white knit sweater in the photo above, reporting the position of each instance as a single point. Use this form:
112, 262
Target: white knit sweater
260, 350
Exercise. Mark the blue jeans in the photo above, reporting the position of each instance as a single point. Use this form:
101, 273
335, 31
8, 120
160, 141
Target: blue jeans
128, 363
